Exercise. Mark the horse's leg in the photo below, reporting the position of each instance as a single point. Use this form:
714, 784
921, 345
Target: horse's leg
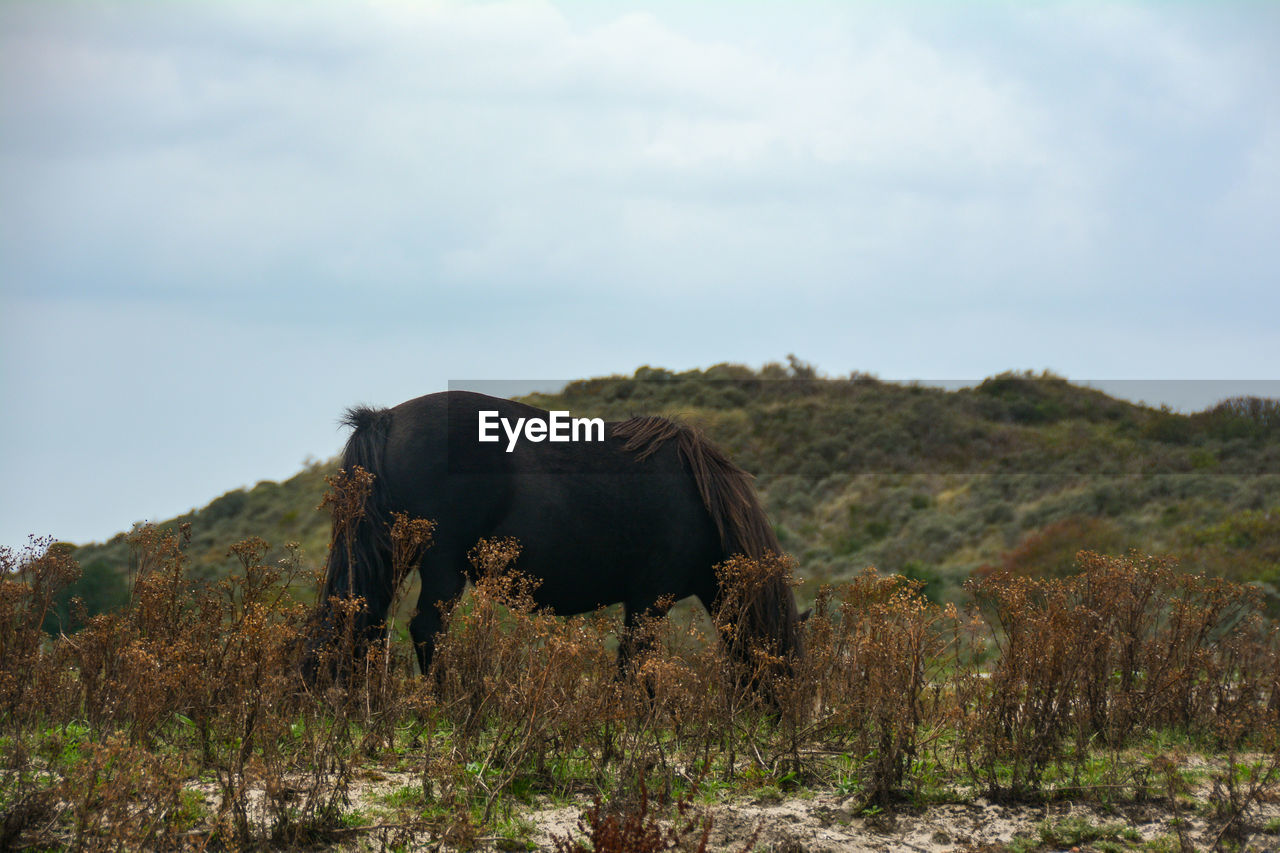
734, 645
709, 595
442, 582
637, 630
708, 592
626, 640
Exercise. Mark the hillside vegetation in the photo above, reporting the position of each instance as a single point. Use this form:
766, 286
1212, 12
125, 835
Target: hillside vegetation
184, 720
1019, 472
216, 716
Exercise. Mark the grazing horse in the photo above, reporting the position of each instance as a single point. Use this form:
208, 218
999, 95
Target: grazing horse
640, 516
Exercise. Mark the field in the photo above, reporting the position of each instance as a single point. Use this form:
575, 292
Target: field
1070, 643
1129, 706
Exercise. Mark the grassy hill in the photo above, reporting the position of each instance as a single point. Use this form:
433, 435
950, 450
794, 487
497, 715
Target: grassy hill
1021, 471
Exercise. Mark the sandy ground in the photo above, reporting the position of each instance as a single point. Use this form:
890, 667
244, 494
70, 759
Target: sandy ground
829, 824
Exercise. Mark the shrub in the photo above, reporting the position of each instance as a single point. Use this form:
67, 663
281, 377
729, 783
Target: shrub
875, 645
102, 731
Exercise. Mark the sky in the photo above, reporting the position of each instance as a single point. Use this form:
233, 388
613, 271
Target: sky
223, 223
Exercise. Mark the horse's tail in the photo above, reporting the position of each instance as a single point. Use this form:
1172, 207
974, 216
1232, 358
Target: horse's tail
730, 497
359, 564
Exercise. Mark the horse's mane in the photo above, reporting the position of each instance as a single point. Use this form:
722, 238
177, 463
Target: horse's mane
730, 498
727, 491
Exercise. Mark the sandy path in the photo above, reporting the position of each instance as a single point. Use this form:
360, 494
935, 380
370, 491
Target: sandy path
828, 824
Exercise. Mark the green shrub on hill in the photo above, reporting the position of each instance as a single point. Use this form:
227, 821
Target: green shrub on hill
909, 478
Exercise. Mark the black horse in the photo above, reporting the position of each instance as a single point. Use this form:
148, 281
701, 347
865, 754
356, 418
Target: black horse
640, 517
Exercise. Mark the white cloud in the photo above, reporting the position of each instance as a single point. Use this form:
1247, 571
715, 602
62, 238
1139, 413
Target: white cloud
519, 188
1250, 206
524, 143
1180, 77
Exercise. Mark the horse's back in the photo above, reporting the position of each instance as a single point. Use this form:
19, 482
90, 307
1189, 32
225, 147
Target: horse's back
593, 520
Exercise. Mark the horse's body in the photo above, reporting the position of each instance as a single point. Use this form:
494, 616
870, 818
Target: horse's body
639, 518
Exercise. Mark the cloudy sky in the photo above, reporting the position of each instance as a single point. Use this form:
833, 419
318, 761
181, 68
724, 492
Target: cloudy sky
222, 223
